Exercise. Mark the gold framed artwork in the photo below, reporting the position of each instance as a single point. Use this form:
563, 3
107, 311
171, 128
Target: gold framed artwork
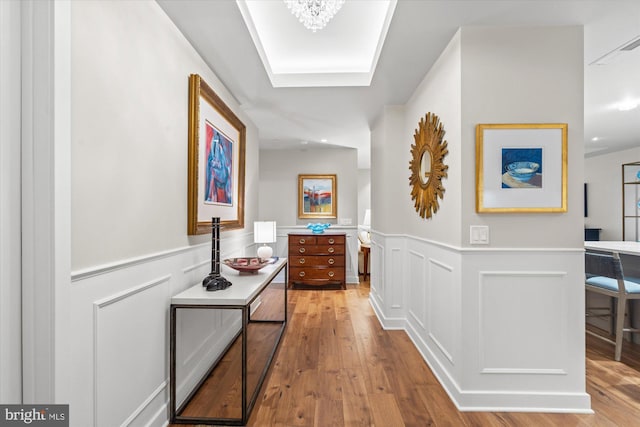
521, 168
216, 157
427, 165
317, 196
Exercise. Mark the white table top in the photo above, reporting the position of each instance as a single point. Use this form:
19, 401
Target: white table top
244, 287
623, 247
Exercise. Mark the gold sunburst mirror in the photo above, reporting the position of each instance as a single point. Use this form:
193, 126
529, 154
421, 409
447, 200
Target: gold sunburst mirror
427, 165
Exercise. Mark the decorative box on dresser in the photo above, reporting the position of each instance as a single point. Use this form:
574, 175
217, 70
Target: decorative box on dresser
317, 259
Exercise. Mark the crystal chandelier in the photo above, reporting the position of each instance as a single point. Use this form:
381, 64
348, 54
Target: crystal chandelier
314, 14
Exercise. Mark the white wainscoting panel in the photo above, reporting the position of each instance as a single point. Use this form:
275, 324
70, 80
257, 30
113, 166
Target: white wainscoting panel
441, 305
120, 346
436, 288
396, 294
126, 336
417, 303
523, 325
388, 267
376, 273
502, 329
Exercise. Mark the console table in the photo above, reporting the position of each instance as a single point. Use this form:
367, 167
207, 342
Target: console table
245, 289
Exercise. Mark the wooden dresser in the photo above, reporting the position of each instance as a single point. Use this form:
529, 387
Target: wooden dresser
317, 259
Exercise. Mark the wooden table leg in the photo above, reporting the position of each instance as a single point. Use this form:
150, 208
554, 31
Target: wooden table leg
365, 259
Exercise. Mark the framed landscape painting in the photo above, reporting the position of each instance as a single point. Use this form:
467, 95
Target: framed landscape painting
317, 196
216, 156
521, 168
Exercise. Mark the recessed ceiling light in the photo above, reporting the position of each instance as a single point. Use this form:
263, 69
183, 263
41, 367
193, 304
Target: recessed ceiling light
323, 140
595, 138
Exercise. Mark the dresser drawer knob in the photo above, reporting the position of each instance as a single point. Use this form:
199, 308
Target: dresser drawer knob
302, 250
331, 241
301, 274
331, 274
331, 250
301, 261
331, 261
302, 241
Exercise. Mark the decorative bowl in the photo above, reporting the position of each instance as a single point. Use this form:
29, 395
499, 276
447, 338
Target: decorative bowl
522, 171
246, 265
318, 228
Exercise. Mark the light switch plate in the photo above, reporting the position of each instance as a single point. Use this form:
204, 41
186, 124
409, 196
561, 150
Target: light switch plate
345, 221
479, 235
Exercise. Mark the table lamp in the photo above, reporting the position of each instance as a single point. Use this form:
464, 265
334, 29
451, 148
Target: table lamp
367, 219
264, 232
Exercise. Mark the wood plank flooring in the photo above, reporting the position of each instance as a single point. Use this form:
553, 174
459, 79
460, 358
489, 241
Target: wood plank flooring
337, 367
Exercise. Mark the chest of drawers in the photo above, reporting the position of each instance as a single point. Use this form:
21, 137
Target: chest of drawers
317, 260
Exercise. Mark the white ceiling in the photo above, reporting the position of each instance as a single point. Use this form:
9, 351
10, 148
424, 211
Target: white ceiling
341, 54
419, 31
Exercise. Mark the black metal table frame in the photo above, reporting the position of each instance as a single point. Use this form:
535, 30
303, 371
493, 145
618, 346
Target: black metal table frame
247, 407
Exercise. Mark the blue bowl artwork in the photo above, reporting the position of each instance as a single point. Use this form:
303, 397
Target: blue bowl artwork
318, 228
638, 175
522, 171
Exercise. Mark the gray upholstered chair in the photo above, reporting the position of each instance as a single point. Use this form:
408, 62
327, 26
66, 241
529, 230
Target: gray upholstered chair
604, 275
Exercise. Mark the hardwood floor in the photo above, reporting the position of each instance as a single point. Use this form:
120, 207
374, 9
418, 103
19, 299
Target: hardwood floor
336, 366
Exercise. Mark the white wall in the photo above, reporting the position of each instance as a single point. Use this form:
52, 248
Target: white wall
392, 137
495, 70
389, 172
130, 70
364, 193
278, 199
439, 93
502, 326
130, 251
10, 248
603, 175
279, 170
45, 216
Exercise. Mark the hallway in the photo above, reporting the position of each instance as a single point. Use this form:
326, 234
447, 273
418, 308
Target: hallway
337, 367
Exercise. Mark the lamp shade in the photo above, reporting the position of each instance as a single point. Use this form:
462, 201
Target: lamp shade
367, 218
264, 231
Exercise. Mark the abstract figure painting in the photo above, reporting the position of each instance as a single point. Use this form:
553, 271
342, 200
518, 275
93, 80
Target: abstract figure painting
218, 172
521, 168
215, 161
317, 196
